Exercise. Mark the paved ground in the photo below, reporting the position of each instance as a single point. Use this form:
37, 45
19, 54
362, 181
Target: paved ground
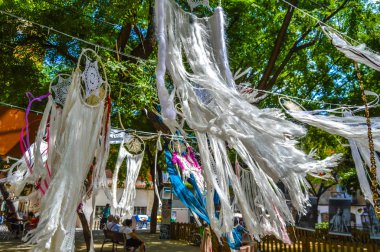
153, 243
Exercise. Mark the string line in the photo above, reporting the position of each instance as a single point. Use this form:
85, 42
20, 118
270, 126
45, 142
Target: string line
332, 28
97, 46
129, 130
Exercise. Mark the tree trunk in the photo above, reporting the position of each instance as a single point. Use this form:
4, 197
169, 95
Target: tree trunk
154, 212
277, 47
86, 229
153, 216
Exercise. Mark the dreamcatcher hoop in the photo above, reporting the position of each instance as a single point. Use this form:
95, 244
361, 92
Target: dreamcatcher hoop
135, 145
59, 76
104, 82
195, 3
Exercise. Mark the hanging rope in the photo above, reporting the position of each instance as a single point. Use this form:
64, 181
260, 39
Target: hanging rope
373, 175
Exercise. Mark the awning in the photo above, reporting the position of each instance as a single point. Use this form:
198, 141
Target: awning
11, 123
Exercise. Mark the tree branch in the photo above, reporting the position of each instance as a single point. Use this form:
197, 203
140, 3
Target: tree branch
123, 37
277, 47
60, 51
145, 48
287, 58
314, 192
41, 41
295, 48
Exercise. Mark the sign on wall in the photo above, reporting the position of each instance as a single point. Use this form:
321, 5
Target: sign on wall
340, 216
374, 223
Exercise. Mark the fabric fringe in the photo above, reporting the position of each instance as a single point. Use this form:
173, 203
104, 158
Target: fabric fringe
355, 130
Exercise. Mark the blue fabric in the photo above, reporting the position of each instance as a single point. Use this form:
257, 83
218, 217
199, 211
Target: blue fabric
198, 193
237, 233
196, 204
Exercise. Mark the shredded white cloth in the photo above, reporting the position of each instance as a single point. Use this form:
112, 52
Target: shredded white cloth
355, 130
133, 164
194, 52
358, 53
19, 174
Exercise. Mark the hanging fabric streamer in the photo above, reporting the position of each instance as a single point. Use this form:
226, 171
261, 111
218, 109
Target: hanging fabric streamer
360, 53
19, 174
35, 167
156, 181
133, 165
194, 52
194, 203
353, 128
189, 166
84, 126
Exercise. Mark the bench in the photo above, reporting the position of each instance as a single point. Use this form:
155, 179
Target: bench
116, 238
247, 248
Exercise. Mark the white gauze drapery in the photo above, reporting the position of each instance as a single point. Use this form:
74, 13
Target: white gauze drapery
194, 52
35, 166
133, 164
81, 140
19, 175
354, 129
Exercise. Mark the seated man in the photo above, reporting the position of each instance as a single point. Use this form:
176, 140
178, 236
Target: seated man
132, 239
109, 222
116, 224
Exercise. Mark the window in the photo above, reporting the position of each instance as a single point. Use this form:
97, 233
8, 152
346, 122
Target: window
139, 210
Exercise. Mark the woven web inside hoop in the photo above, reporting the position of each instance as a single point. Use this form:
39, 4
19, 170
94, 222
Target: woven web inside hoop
60, 90
92, 78
194, 3
135, 145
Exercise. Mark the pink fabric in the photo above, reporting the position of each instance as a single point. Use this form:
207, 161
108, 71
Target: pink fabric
285, 235
190, 157
25, 144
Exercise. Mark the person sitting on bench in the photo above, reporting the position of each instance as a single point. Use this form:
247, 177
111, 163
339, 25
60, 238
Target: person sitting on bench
132, 239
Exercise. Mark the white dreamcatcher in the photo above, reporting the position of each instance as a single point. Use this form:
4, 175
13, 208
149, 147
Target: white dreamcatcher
60, 89
80, 138
132, 148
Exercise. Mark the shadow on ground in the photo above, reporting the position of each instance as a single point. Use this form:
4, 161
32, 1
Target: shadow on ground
153, 243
